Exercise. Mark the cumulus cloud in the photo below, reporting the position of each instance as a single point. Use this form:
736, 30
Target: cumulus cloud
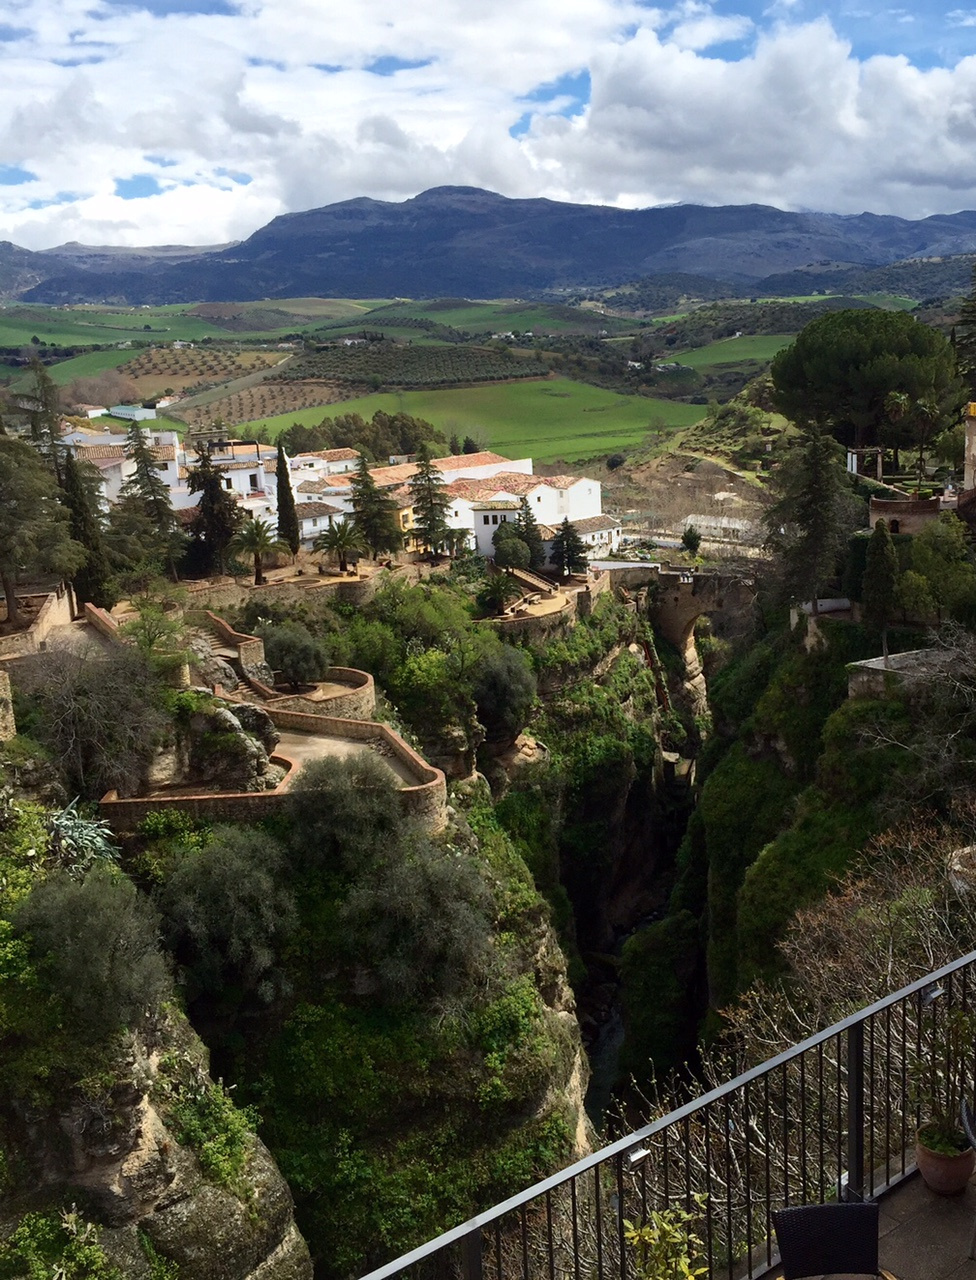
232, 111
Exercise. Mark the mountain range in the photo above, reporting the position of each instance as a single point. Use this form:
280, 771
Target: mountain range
465, 242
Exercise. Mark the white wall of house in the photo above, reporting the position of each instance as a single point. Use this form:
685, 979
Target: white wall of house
486, 517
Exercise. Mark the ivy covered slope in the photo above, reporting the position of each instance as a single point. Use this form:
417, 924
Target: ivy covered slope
119, 1154
797, 778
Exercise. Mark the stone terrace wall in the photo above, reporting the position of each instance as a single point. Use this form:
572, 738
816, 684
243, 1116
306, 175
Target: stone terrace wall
8, 728
537, 625
426, 802
358, 704
54, 611
249, 648
595, 587
101, 620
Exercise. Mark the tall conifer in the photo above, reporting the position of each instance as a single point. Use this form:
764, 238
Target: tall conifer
374, 512
288, 528
430, 504
528, 530
218, 515
91, 582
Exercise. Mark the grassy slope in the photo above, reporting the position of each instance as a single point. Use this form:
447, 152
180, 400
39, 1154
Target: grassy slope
547, 420
760, 346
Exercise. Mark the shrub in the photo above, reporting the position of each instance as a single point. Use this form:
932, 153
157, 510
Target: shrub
95, 946
226, 913
294, 653
504, 691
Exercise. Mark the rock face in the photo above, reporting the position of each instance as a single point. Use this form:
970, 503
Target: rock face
119, 1156
220, 750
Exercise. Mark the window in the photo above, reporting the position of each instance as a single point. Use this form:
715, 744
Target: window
494, 519
315, 521
252, 480
228, 483
486, 519
538, 497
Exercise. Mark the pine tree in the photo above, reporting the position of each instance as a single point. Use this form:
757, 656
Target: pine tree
808, 523
528, 531
880, 583
964, 338
45, 419
569, 549
147, 492
374, 512
288, 529
430, 504
218, 516
91, 581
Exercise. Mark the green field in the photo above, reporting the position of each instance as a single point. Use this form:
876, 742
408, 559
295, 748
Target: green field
760, 346
502, 316
547, 420
90, 365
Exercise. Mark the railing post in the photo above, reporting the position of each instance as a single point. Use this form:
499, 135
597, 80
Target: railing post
855, 1112
471, 1255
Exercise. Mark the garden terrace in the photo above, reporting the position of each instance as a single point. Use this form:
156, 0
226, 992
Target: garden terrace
422, 788
830, 1118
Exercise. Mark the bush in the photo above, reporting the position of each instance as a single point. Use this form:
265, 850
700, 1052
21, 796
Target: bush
293, 653
504, 691
343, 815
95, 945
226, 914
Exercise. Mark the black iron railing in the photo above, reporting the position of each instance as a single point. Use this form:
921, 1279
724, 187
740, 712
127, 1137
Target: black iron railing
831, 1118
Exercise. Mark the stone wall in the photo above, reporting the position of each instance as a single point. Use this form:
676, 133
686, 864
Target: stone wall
250, 649
532, 626
426, 802
911, 514
102, 621
359, 703
53, 610
7, 726
586, 599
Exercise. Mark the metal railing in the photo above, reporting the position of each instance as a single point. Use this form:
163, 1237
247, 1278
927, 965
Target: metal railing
831, 1118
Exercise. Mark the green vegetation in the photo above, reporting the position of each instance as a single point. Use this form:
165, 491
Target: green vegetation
758, 348
547, 420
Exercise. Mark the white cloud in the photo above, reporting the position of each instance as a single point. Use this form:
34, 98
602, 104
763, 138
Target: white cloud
796, 119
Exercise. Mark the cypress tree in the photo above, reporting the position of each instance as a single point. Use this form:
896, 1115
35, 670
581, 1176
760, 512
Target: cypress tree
880, 582
91, 582
528, 531
430, 503
45, 419
288, 529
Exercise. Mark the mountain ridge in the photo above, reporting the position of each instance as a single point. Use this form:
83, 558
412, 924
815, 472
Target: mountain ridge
468, 242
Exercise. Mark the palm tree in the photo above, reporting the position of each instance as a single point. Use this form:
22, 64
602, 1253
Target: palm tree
340, 540
258, 539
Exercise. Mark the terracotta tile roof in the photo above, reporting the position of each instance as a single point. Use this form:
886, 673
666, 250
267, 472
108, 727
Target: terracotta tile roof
456, 461
99, 452
558, 482
332, 455
309, 510
104, 452
386, 477
596, 524
402, 498
484, 490
324, 484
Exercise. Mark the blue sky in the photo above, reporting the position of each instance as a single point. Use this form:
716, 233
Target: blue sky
197, 121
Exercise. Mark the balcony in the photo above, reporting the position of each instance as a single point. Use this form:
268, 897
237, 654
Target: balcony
831, 1118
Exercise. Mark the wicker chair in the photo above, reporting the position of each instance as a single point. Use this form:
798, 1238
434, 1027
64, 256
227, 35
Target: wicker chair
828, 1239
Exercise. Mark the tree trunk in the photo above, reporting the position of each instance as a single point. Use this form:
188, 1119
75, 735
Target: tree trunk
342, 562
9, 590
258, 575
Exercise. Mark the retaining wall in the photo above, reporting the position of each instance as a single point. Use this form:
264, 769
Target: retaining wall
358, 704
595, 587
53, 610
425, 802
8, 727
250, 649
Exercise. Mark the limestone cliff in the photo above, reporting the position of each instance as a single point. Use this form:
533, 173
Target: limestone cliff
161, 1163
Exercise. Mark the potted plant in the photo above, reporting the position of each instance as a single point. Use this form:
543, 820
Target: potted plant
940, 1078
